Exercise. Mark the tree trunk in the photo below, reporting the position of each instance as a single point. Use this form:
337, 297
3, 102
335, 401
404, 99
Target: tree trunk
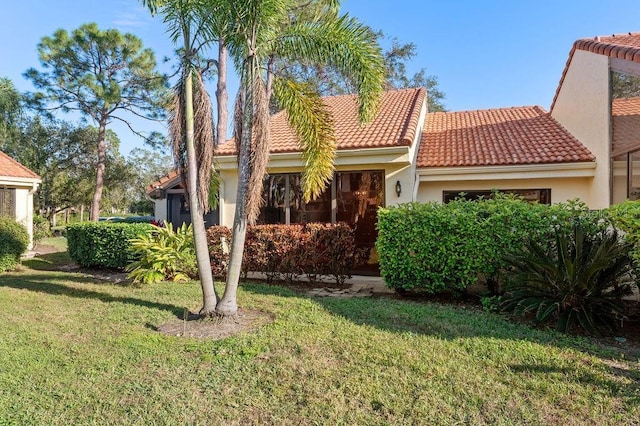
209, 296
102, 155
228, 305
221, 93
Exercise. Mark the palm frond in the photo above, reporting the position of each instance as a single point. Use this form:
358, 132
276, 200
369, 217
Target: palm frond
259, 148
313, 124
203, 135
345, 44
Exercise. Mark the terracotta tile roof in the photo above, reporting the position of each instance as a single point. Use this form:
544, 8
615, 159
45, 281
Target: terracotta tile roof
506, 136
395, 124
11, 168
621, 46
160, 183
626, 125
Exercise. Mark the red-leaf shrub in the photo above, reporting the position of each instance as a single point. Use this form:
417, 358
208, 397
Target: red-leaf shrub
288, 251
329, 250
219, 242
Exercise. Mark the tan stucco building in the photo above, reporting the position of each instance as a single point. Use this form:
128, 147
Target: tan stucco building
17, 186
409, 154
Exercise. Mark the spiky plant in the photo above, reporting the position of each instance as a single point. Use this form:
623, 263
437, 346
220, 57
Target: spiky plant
163, 255
578, 276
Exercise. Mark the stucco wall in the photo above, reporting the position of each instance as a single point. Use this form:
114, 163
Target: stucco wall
561, 189
24, 211
228, 193
160, 209
583, 108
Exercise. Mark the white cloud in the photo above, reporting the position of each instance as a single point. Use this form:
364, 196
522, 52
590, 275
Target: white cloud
131, 16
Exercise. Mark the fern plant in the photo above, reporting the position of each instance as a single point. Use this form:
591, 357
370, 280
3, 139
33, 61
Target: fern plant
578, 276
164, 255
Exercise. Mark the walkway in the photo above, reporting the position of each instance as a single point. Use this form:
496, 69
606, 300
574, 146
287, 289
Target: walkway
358, 286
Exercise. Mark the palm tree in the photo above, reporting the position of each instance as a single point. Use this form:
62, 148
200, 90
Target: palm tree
191, 125
256, 33
264, 32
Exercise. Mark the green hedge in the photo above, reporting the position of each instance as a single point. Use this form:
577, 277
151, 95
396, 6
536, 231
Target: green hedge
436, 247
626, 217
103, 244
14, 240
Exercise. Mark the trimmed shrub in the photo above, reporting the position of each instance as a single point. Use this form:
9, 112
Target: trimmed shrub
436, 247
626, 217
103, 244
164, 255
219, 242
275, 250
329, 250
288, 251
14, 240
582, 275
41, 228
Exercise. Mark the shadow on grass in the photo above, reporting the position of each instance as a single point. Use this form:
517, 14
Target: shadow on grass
49, 262
44, 283
467, 325
444, 321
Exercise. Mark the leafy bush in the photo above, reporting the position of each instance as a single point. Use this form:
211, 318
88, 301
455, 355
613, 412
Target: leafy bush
219, 242
41, 228
103, 244
288, 251
626, 217
14, 240
580, 275
329, 250
275, 250
164, 255
437, 247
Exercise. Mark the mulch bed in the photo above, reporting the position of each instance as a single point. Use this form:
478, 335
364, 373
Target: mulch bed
246, 321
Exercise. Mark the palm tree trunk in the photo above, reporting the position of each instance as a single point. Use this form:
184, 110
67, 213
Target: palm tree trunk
221, 93
209, 296
228, 305
102, 155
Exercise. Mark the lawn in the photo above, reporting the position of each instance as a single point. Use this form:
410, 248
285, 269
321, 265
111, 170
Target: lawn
78, 351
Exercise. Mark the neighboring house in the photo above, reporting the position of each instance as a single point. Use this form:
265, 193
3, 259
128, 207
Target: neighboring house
17, 186
586, 105
407, 154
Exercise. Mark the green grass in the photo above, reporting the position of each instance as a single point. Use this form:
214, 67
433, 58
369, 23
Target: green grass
76, 351
59, 243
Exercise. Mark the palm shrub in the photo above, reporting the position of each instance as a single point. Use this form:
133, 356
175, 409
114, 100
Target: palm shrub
14, 240
164, 255
581, 274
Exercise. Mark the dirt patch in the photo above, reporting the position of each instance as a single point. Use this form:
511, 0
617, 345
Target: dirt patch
246, 321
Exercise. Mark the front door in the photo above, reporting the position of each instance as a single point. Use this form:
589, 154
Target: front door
358, 197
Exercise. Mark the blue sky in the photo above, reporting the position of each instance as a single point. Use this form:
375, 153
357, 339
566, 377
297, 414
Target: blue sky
486, 54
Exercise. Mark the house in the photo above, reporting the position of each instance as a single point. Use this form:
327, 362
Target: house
17, 186
592, 103
408, 154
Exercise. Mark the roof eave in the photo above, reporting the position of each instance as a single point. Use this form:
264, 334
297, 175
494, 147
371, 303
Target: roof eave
514, 171
344, 157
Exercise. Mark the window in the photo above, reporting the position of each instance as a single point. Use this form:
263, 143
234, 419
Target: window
8, 202
283, 201
542, 196
351, 197
625, 177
